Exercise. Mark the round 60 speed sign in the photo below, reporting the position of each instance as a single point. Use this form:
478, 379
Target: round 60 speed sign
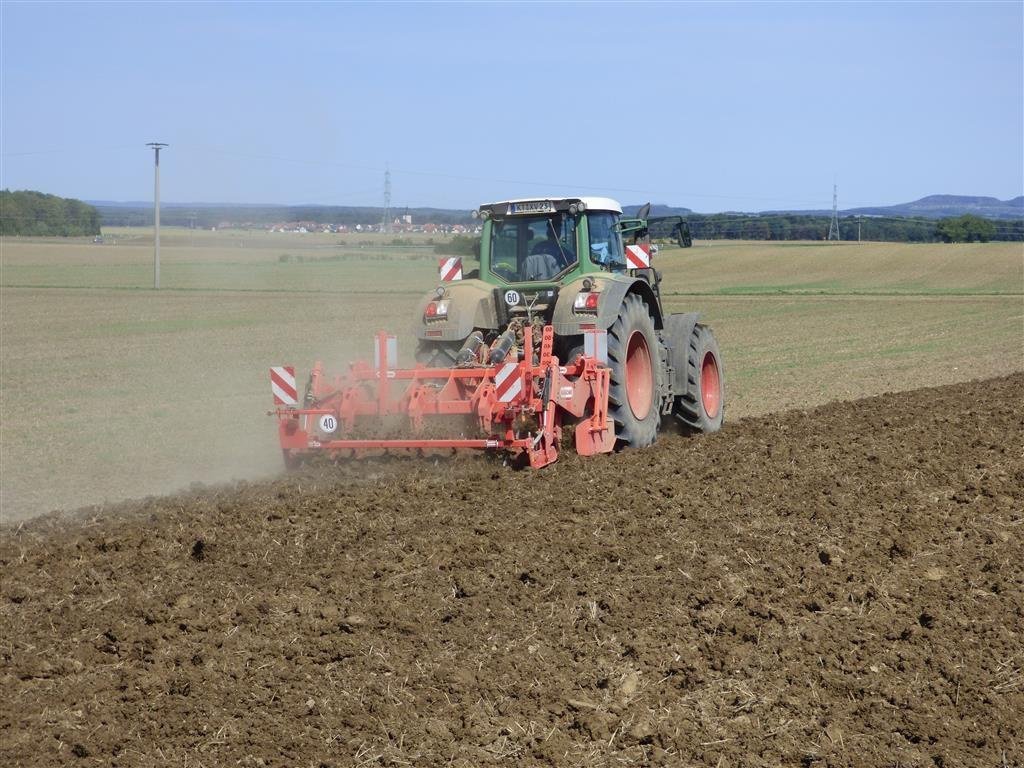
511, 297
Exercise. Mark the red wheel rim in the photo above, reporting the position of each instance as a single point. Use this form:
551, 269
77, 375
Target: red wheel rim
710, 385
639, 376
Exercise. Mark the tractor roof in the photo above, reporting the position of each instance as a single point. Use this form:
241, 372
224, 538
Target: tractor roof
556, 203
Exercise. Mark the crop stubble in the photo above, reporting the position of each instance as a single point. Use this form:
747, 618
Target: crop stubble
841, 586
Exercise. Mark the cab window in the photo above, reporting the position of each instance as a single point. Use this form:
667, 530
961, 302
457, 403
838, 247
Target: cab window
605, 241
533, 248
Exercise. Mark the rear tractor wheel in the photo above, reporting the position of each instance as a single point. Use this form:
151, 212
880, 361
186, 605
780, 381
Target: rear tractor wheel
635, 375
702, 409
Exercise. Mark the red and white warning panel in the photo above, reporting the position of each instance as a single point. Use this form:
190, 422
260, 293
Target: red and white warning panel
450, 268
508, 383
282, 384
638, 256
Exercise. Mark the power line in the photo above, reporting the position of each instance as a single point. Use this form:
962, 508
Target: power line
66, 151
494, 180
458, 177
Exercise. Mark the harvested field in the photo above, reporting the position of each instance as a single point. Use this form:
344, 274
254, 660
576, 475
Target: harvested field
840, 586
112, 391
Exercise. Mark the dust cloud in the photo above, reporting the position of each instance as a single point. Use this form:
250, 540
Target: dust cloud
156, 392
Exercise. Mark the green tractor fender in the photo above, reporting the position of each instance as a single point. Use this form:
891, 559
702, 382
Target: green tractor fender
614, 289
470, 305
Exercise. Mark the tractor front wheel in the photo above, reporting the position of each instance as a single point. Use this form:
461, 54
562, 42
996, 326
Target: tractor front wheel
635, 375
702, 409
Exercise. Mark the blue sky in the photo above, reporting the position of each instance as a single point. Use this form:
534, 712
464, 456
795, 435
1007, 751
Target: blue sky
711, 106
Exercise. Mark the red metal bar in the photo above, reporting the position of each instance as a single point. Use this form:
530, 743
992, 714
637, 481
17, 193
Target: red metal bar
361, 372
343, 445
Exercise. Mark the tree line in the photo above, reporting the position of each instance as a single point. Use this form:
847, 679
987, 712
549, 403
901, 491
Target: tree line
34, 213
966, 228
717, 226
960, 229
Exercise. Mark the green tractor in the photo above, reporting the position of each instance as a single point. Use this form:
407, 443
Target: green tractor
576, 265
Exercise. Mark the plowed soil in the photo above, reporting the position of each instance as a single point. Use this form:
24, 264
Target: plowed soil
842, 586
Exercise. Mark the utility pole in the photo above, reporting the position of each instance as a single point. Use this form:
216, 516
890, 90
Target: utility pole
833, 227
385, 225
157, 146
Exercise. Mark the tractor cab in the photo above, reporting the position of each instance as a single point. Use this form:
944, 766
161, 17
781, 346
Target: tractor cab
550, 241
566, 262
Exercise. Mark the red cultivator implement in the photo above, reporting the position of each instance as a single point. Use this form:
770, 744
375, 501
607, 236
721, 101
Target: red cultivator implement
517, 406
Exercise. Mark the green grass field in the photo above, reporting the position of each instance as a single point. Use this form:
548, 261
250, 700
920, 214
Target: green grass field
111, 390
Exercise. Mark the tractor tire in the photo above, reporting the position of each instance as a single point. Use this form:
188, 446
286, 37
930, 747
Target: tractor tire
636, 373
437, 354
702, 409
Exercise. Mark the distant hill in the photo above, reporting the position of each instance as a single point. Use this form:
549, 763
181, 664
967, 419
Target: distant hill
932, 207
257, 214
942, 206
657, 210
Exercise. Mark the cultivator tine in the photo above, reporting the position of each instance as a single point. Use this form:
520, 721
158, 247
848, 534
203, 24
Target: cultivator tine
596, 434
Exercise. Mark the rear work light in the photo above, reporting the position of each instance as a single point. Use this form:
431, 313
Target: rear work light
587, 301
436, 310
